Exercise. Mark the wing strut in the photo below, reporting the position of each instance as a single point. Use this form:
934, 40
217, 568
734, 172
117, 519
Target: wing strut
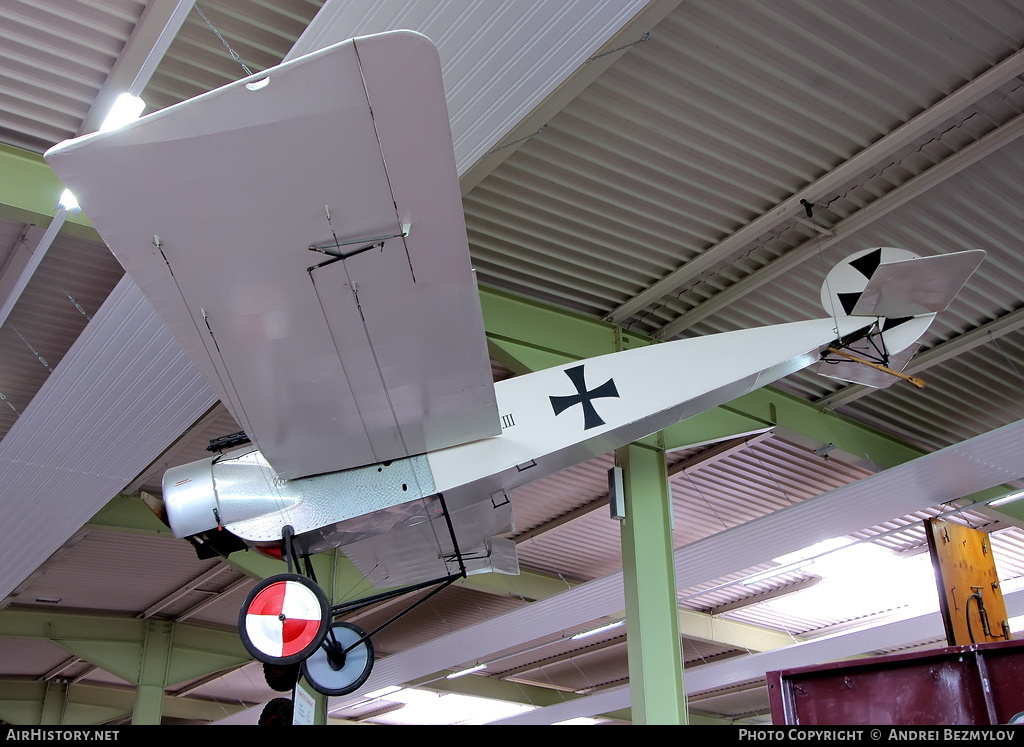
441, 583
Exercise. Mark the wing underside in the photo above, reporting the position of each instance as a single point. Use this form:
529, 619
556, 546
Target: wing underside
412, 543
369, 347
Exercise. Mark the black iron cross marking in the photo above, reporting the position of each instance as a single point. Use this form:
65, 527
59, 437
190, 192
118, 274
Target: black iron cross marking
583, 397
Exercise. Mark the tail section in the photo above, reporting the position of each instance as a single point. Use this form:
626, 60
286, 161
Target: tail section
903, 292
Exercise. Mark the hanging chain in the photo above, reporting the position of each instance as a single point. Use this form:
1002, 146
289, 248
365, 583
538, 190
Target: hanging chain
809, 211
77, 305
770, 474
71, 298
3, 398
515, 142
29, 346
1009, 361
707, 503
213, 28
641, 40
23, 240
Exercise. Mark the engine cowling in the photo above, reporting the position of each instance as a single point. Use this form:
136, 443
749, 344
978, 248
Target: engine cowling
216, 491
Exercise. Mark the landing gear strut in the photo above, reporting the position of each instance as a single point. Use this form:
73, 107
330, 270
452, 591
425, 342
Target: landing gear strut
286, 620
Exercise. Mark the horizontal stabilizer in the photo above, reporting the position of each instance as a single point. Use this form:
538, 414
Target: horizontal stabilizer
912, 287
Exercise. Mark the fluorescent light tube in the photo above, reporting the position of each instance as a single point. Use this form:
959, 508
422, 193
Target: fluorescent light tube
460, 673
126, 108
67, 201
595, 631
1009, 498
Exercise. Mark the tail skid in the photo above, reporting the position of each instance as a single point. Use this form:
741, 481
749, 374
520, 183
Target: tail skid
877, 366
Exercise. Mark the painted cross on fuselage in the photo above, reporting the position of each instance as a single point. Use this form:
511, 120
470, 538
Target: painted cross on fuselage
583, 397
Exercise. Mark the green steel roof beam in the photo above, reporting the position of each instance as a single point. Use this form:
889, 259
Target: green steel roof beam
29, 191
26, 702
115, 644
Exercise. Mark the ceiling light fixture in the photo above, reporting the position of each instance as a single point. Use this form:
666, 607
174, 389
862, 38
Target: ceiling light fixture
1008, 498
794, 561
462, 672
773, 572
595, 631
384, 691
127, 108
814, 551
67, 201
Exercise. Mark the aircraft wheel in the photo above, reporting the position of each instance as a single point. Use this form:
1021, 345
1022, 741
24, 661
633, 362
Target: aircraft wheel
281, 678
331, 669
284, 619
277, 712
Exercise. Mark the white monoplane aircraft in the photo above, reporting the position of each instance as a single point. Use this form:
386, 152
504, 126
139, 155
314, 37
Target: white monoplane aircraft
301, 233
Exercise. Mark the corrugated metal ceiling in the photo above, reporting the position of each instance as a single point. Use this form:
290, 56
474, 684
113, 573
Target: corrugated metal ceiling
259, 33
56, 58
726, 111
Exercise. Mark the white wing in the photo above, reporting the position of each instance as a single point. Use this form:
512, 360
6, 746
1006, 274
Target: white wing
212, 206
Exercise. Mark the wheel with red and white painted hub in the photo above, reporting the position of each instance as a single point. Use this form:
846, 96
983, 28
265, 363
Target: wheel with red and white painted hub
284, 619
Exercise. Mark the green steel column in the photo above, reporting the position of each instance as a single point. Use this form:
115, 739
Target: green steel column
331, 568
308, 706
652, 619
156, 652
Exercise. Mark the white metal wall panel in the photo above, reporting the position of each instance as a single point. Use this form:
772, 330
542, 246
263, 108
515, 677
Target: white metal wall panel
66, 289
498, 62
121, 395
731, 671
